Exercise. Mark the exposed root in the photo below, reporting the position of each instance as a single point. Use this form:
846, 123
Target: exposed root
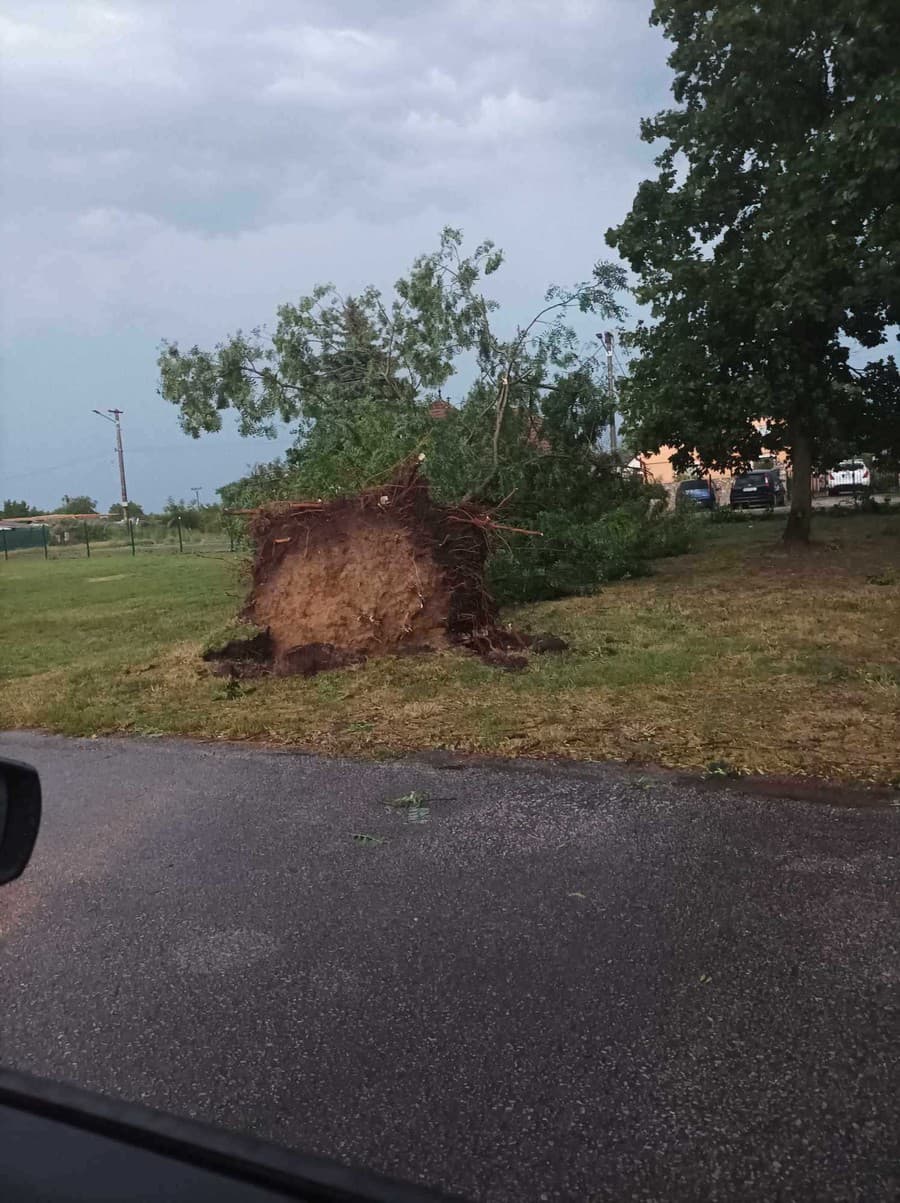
388, 571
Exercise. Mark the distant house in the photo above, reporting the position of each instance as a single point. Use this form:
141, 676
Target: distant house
658, 469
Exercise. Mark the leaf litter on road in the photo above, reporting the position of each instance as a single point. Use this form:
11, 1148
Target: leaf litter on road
368, 841
411, 806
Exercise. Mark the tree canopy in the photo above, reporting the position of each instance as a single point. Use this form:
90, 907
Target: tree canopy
77, 505
18, 509
767, 248
505, 413
118, 511
359, 376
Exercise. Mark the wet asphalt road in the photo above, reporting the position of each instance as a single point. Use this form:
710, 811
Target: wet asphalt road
565, 985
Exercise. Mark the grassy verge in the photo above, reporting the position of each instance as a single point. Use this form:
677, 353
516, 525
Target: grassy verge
743, 653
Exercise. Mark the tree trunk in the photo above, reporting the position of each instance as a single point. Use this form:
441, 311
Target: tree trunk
798, 523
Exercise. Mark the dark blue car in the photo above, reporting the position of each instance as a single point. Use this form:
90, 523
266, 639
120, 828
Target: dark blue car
698, 493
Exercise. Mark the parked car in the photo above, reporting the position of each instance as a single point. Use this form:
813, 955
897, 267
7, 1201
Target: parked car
699, 493
851, 476
763, 487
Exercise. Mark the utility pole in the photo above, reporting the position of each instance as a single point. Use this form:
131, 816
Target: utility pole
117, 414
195, 489
611, 390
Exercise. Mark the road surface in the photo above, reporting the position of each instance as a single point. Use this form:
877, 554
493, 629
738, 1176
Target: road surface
566, 984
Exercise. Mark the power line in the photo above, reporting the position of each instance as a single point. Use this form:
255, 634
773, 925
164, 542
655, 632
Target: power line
152, 449
72, 463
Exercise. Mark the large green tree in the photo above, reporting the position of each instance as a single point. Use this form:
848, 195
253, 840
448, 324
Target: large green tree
767, 248
17, 509
77, 505
119, 512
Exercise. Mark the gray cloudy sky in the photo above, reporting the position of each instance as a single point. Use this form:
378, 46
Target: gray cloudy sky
177, 170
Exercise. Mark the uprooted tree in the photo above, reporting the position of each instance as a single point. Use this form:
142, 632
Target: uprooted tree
367, 380
385, 571
360, 374
768, 247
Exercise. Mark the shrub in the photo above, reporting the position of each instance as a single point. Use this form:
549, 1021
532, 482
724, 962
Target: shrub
723, 515
575, 556
861, 505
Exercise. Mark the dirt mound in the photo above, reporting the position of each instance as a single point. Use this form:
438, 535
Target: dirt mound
388, 571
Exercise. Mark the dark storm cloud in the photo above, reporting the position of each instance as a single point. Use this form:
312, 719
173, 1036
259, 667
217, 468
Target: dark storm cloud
153, 151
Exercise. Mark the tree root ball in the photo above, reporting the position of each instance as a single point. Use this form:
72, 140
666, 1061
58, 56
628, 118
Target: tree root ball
388, 571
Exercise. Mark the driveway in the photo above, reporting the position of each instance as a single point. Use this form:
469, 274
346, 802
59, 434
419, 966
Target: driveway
566, 983
821, 501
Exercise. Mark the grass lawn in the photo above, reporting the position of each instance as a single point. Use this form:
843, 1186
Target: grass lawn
744, 653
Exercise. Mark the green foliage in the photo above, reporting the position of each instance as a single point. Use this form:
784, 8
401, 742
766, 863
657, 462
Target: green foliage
180, 511
192, 517
18, 509
117, 511
724, 515
879, 417
359, 374
77, 505
412, 806
264, 482
884, 480
577, 554
768, 243
362, 376
862, 505
703, 625
330, 352
723, 768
